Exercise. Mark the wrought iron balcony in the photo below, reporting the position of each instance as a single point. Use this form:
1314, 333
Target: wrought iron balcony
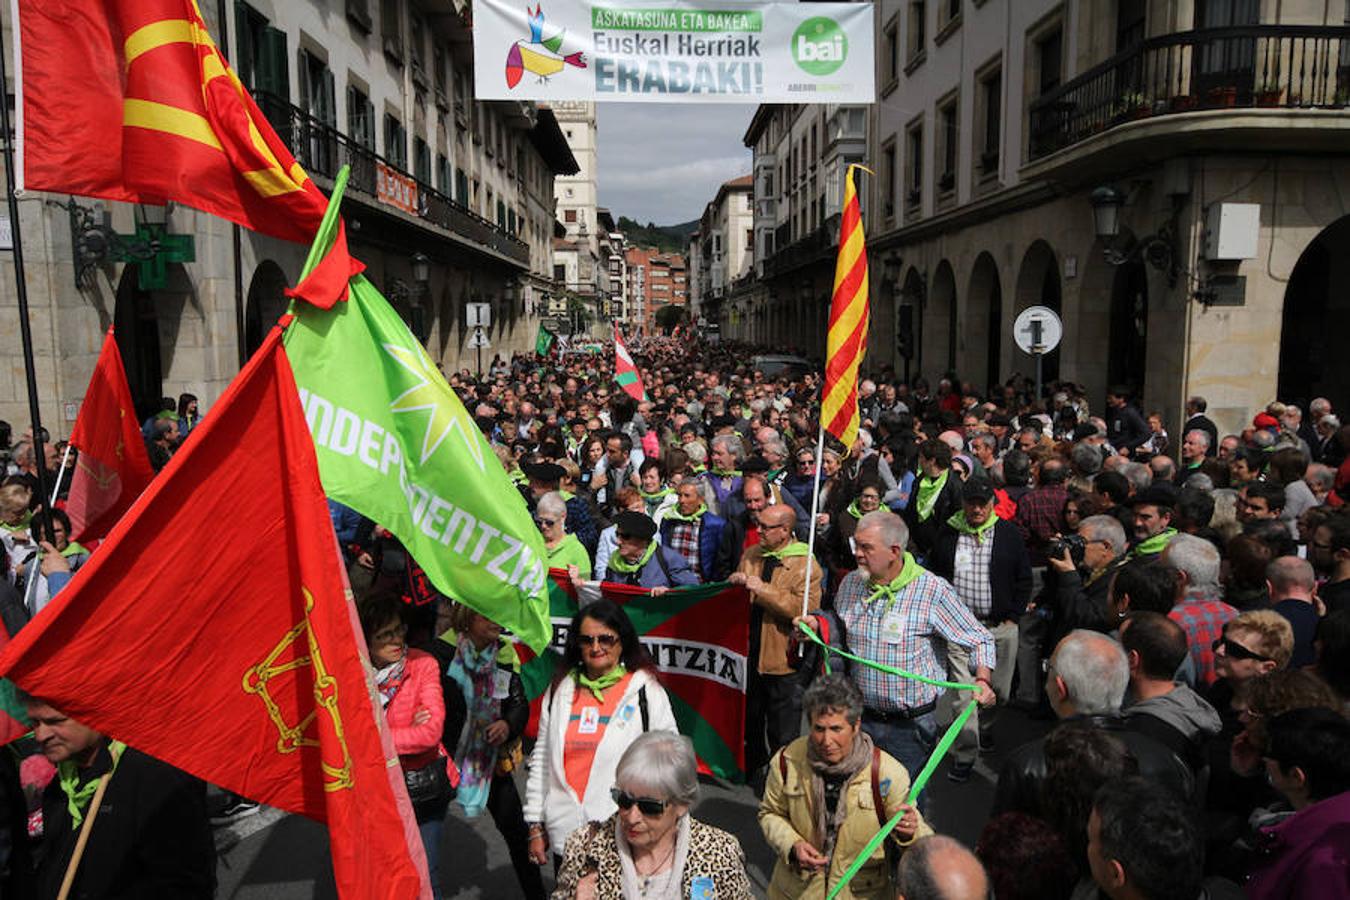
322, 150
812, 247
1284, 66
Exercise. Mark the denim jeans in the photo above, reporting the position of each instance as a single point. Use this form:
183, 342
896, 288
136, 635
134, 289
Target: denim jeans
431, 843
908, 740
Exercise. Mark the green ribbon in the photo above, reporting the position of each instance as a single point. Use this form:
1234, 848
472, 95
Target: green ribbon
697, 468
566, 495
618, 564
77, 798
915, 788
929, 489
911, 571
787, 551
881, 667
675, 514
726, 473
1154, 545
958, 521
598, 686
73, 549
853, 509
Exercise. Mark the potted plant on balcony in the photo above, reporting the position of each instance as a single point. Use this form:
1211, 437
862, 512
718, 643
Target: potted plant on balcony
1183, 103
1133, 105
1269, 93
1223, 95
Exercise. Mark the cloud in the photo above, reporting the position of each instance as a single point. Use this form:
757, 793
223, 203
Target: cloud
663, 162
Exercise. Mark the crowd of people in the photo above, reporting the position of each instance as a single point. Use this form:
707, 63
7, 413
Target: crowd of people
1176, 614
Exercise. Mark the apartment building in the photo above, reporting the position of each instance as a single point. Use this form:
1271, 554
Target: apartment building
655, 280
721, 251
450, 201
1168, 176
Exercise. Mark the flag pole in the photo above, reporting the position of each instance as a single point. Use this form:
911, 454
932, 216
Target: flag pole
21, 288
815, 507
61, 473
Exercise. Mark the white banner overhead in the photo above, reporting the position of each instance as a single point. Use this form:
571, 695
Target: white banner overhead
677, 50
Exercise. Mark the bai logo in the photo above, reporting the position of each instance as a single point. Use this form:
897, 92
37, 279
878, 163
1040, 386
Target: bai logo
819, 46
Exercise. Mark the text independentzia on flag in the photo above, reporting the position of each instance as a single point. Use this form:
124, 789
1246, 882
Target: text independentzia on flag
847, 340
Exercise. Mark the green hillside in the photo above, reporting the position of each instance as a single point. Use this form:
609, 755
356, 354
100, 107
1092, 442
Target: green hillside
666, 238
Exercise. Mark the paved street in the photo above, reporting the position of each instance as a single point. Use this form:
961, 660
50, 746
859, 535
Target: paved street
272, 856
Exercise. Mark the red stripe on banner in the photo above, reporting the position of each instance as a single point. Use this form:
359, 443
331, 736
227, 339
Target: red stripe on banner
836, 367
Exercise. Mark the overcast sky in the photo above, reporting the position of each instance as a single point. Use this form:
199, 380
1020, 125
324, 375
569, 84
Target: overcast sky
663, 162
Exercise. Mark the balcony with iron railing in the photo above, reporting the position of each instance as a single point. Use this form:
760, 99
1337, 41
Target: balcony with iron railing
815, 245
1283, 67
322, 150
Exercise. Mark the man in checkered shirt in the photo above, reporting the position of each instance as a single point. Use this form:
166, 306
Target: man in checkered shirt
893, 611
695, 533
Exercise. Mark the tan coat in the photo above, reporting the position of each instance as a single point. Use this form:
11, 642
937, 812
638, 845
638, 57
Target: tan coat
785, 817
781, 600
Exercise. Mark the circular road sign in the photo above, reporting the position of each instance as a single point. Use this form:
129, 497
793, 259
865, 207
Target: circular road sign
1037, 329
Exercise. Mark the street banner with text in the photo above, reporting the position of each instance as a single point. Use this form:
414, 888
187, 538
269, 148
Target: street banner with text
664, 50
698, 637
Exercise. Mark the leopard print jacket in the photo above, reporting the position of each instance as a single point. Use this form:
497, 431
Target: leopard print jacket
714, 870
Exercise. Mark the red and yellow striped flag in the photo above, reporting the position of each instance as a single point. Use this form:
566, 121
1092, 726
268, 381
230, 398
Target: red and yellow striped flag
847, 340
131, 100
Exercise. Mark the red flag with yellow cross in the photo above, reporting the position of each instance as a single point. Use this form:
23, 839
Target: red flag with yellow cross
131, 100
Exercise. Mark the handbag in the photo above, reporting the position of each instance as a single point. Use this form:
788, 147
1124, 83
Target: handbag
429, 787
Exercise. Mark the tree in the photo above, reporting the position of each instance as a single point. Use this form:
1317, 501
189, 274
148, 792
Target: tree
667, 317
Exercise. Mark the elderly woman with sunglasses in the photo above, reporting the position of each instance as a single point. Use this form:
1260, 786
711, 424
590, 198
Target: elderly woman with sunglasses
652, 847
604, 696
564, 549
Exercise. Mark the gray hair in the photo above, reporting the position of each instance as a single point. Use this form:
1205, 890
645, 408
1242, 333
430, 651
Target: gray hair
1196, 557
775, 445
1331, 420
1199, 481
552, 504
1288, 572
1095, 671
985, 439
1138, 475
926, 870
696, 452
893, 529
731, 442
1106, 528
833, 693
1263, 439
1225, 520
1201, 436
662, 762
1086, 458
864, 438
1324, 476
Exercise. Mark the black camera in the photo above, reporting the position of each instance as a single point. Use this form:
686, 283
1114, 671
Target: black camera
1072, 543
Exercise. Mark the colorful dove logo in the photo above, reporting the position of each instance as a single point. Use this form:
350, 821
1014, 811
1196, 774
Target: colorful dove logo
539, 55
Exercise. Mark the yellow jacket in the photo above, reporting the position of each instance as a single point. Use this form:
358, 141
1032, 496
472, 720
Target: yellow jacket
785, 817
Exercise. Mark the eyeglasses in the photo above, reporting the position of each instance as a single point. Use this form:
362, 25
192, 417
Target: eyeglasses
545, 523
646, 805
391, 635
604, 640
1234, 650
806, 462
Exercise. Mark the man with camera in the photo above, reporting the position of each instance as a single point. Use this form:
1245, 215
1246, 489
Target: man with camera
1084, 563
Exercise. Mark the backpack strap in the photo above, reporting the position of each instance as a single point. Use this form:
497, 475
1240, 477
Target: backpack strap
876, 786
642, 708
665, 566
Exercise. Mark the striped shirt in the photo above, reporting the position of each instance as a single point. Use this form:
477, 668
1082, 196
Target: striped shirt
929, 616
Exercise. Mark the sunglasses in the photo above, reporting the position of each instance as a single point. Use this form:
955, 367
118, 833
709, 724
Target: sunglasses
547, 523
646, 805
604, 640
1233, 650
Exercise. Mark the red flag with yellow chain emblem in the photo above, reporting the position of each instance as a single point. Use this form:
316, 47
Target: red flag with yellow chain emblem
112, 467
213, 629
131, 100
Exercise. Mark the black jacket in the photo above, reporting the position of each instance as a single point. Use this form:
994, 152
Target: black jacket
515, 706
1125, 427
922, 535
151, 837
1023, 773
1082, 604
1009, 568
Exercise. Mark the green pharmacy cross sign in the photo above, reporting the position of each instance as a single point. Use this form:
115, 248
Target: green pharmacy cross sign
151, 249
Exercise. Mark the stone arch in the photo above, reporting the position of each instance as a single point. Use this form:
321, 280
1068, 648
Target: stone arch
913, 290
937, 354
982, 325
265, 304
1039, 284
162, 335
1315, 319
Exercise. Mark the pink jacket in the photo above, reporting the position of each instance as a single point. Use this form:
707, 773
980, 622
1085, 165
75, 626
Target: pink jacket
417, 745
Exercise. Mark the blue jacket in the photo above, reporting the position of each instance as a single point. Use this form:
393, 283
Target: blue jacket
581, 523
654, 573
709, 540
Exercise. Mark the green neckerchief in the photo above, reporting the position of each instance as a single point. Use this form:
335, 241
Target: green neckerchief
928, 492
697, 468
19, 525
911, 571
77, 798
597, 686
772, 474
854, 510
675, 514
958, 521
73, 549
787, 551
566, 495
517, 476
1154, 545
726, 473
655, 495
618, 564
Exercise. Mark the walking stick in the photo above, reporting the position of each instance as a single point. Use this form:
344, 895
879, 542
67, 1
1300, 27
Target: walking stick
83, 841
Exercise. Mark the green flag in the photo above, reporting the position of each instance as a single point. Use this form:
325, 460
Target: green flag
395, 443
544, 342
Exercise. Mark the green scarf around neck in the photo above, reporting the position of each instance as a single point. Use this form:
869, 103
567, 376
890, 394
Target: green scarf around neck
726, 473
655, 495
854, 510
1156, 544
598, 686
958, 521
674, 514
566, 495
928, 492
618, 564
787, 551
77, 798
891, 590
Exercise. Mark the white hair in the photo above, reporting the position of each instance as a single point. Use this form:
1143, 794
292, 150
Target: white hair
552, 504
1095, 672
1196, 557
1106, 528
662, 762
892, 528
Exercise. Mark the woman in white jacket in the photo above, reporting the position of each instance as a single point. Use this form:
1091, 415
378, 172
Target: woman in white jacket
604, 695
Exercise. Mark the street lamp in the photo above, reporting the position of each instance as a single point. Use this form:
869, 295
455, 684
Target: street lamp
1106, 203
1157, 249
421, 268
